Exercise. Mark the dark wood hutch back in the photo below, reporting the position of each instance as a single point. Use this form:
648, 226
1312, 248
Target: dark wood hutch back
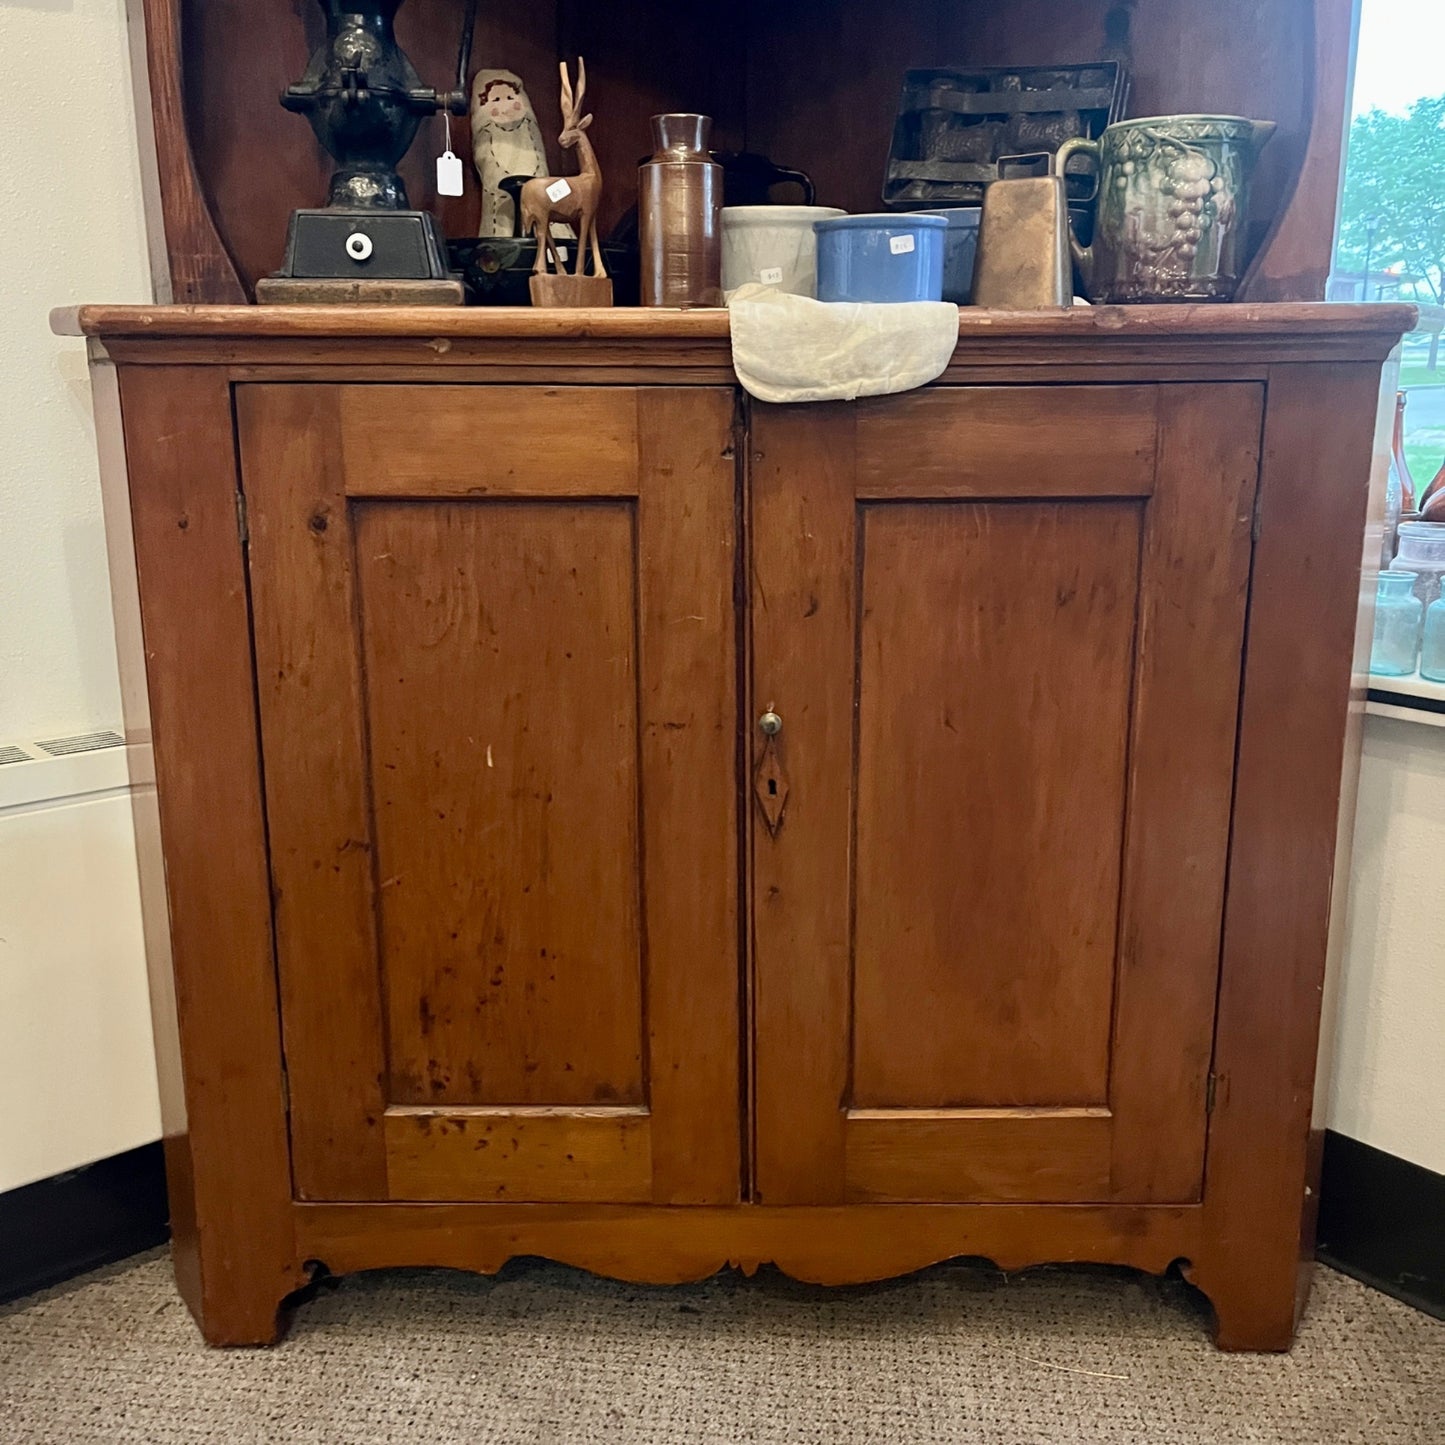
813, 83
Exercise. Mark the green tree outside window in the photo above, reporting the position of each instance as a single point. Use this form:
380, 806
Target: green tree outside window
1395, 185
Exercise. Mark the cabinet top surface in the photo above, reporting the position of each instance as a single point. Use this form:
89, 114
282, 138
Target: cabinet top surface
658, 347
1085, 323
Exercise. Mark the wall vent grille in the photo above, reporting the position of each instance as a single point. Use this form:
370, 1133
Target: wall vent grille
86, 765
82, 743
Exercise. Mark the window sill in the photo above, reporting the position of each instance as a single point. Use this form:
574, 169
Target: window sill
1410, 699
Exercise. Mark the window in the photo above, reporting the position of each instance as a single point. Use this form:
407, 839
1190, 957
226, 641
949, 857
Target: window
1392, 223
1391, 246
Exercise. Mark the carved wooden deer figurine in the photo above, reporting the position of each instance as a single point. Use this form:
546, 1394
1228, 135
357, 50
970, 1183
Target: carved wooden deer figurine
571, 198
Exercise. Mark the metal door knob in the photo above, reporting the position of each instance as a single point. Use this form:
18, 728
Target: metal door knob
771, 724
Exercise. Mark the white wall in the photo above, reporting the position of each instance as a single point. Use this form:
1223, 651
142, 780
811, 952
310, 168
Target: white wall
72, 229
76, 1083
1389, 1081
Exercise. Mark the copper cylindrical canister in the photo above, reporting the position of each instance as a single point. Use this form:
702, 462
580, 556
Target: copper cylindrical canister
680, 194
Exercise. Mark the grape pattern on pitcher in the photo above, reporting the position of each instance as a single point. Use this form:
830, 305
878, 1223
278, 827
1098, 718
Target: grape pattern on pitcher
1174, 204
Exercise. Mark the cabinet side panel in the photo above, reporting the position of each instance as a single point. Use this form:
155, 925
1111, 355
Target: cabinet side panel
195, 616
200, 269
1294, 726
145, 816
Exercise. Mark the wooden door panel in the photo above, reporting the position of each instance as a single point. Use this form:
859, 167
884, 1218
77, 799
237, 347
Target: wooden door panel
499, 719
947, 1156
996, 656
601, 1156
987, 929
501, 701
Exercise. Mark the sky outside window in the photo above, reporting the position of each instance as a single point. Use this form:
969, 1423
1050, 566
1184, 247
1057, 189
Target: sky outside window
1401, 54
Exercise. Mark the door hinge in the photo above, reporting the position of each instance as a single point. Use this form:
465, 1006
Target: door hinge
1257, 522
1210, 1090
285, 1089
243, 530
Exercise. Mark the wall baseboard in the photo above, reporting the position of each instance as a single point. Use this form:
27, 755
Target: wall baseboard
61, 1227
1382, 1221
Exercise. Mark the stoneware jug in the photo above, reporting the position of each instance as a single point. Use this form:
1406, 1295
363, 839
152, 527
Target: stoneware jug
1173, 210
679, 215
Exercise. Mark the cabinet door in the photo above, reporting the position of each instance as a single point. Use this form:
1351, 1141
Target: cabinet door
1002, 628
495, 649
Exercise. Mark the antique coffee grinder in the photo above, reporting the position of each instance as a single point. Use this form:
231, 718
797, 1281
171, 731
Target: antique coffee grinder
365, 102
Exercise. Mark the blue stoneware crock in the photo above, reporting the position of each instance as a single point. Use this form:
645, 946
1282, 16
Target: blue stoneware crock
881, 258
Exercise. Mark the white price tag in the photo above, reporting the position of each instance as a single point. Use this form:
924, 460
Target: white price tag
449, 174
771, 276
561, 253
900, 245
557, 190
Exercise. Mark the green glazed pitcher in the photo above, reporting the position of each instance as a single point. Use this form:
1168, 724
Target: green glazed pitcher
1173, 215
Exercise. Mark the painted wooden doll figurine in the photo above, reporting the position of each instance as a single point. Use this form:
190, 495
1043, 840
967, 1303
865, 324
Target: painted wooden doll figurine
506, 141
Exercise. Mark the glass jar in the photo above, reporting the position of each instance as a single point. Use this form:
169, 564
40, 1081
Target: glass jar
1432, 649
1422, 554
1397, 626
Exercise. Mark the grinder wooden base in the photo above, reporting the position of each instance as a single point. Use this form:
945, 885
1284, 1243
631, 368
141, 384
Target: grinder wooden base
305, 291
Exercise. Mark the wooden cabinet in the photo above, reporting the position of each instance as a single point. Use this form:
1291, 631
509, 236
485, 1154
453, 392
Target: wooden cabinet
500, 924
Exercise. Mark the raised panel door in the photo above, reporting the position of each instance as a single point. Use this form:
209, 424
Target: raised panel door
495, 642
987, 919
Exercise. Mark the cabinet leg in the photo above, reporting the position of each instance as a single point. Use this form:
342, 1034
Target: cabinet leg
1257, 1313
248, 1304
240, 1319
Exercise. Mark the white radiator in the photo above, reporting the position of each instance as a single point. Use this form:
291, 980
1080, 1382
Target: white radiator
77, 1079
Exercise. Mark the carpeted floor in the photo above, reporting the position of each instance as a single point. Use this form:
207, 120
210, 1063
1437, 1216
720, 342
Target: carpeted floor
547, 1355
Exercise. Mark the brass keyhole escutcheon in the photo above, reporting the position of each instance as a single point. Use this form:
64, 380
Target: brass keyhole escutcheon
770, 781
